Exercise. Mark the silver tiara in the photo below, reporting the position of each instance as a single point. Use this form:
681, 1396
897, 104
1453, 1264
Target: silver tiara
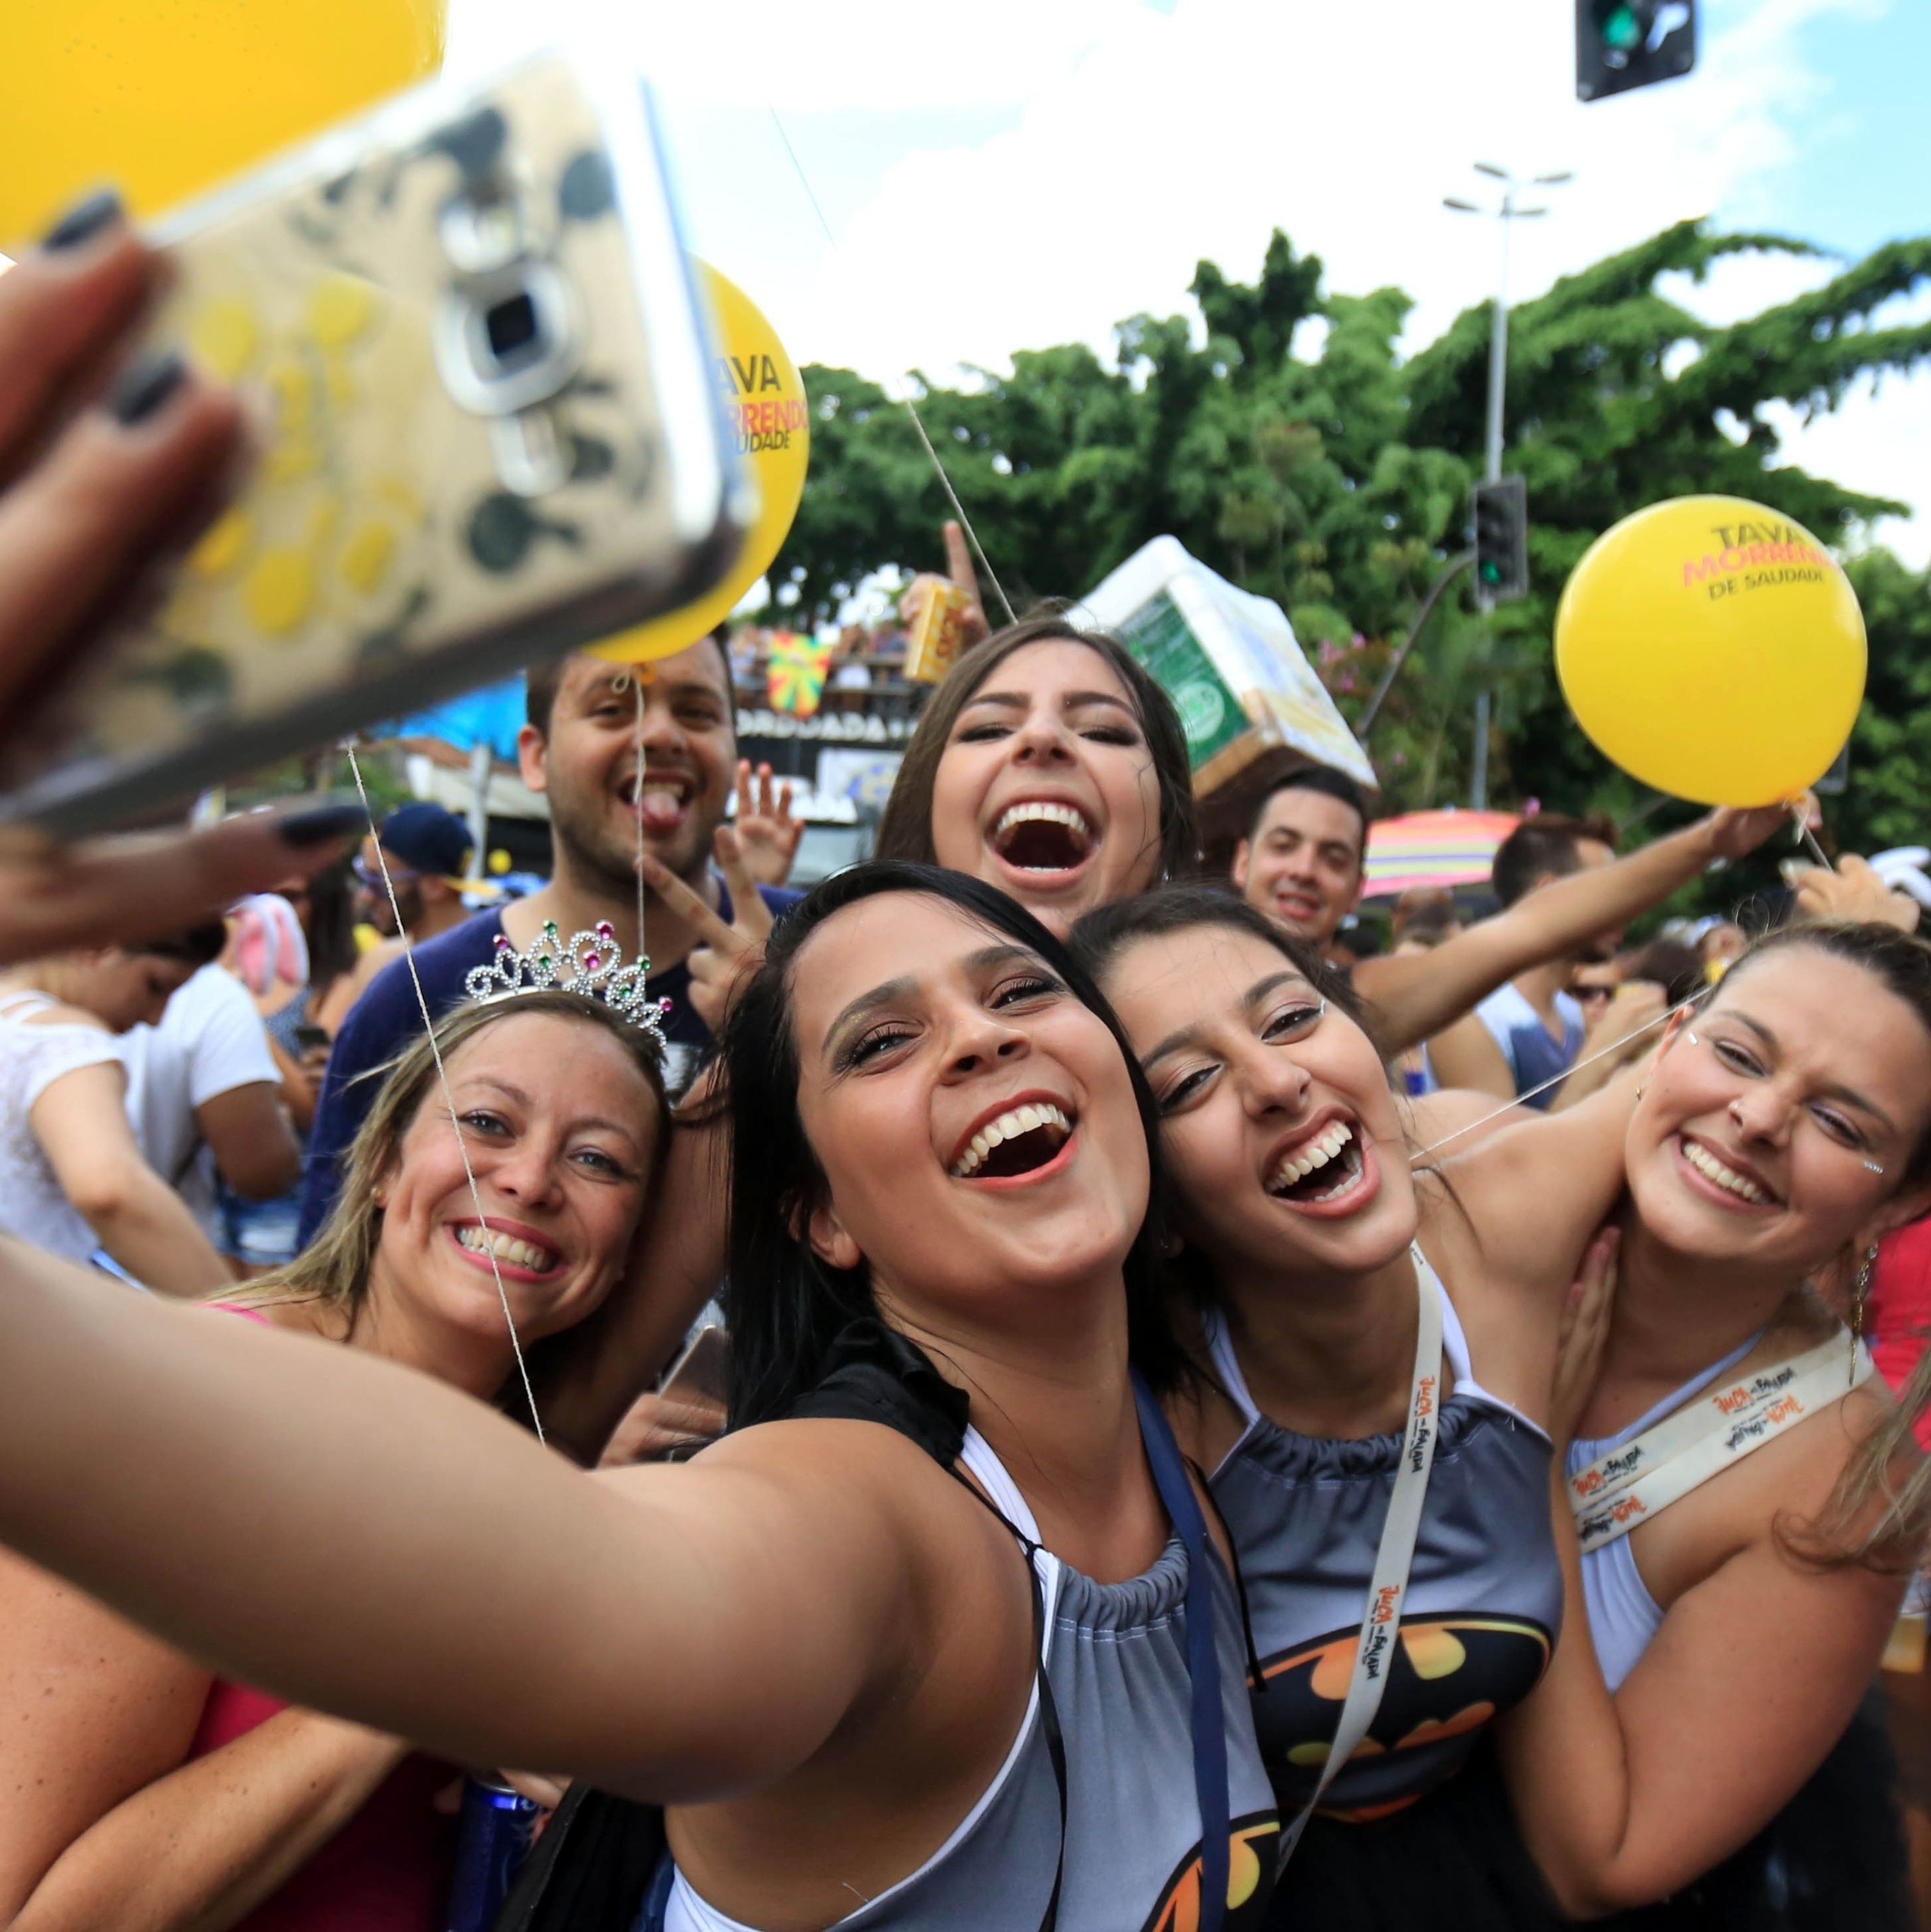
591, 966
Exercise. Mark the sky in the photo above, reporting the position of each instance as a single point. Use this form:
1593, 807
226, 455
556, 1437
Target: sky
1027, 172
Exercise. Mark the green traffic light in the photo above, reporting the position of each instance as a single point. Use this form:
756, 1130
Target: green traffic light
1620, 29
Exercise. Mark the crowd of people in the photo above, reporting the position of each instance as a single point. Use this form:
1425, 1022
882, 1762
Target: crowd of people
1217, 1434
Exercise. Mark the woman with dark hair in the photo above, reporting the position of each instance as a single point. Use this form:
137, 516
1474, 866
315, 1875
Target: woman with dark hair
148, 1791
1308, 1242
939, 1640
1050, 764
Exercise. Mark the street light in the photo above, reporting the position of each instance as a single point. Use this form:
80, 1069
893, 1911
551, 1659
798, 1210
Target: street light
1505, 213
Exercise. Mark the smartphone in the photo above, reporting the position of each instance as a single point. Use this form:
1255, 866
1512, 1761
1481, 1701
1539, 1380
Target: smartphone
702, 1371
482, 370
310, 1038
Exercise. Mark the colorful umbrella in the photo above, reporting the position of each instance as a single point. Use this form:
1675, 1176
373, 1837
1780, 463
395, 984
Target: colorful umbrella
1434, 848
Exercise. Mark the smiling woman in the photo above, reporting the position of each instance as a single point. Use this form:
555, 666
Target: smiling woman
154, 1792
1049, 764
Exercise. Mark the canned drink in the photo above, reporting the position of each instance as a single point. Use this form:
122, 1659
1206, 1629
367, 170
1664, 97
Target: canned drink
933, 642
491, 1844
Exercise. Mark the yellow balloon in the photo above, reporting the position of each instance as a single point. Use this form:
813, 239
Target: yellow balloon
763, 398
162, 97
1714, 649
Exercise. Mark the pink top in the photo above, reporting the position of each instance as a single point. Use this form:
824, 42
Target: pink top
1900, 1310
389, 1869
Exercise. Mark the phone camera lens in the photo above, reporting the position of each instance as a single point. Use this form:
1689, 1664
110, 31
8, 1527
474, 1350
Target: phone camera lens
513, 330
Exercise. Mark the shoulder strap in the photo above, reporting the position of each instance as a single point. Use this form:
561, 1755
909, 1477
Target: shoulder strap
1049, 1710
1210, 1717
1627, 1486
1381, 1619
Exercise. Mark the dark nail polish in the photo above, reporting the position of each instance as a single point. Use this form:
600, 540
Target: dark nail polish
140, 390
321, 823
83, 221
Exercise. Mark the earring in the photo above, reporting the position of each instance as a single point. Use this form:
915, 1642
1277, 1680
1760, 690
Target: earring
1860, 1288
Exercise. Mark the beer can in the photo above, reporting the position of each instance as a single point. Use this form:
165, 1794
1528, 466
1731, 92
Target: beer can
933, 642
492, 1842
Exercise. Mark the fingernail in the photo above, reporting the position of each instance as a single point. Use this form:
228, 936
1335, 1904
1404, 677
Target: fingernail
83, 221
140, 391
321, 823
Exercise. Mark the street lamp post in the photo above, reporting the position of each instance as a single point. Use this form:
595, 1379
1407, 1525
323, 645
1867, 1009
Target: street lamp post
1506, 214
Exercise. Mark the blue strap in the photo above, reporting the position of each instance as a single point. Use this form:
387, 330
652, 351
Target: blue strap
1209, 1720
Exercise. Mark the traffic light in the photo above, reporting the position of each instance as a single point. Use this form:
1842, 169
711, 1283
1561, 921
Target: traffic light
1624, 43
1502, 539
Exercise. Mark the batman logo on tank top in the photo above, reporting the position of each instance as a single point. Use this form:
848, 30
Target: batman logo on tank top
1451, 1674
1252, 1844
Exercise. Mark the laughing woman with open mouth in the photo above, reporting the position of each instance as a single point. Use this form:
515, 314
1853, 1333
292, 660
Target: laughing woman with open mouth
937, 1638
1766, 1145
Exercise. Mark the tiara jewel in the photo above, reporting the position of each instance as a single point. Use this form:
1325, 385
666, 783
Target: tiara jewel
591, 966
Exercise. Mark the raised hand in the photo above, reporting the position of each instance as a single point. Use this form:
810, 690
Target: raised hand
768, 833
1735, 832
1854, 892
729, 952
959, 573
109, 472
1581, 1337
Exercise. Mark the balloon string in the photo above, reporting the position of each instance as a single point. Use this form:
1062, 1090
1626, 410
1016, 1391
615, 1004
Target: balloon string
1808, 837
911, 408
1602, 1053
442, 1081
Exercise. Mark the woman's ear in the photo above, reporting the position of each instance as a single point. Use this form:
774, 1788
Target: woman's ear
1908, 1204
827, 1236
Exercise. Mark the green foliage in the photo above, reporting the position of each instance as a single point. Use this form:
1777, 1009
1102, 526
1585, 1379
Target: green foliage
1290, 446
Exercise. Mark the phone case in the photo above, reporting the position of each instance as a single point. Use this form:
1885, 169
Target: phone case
488, 433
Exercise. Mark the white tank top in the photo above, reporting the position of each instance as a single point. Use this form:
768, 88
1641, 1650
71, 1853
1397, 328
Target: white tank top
1623, 1615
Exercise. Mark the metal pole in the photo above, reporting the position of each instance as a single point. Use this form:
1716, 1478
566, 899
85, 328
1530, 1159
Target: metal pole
1478, 782
482, 760
1498, 348
1455, 567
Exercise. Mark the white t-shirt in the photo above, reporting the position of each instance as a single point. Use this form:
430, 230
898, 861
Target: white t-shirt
32, 1204
211, 1040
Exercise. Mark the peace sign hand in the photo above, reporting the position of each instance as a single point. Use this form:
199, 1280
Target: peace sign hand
727, 955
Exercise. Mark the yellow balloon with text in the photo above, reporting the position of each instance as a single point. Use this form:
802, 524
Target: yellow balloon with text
164, 97
762, 396
1712, 649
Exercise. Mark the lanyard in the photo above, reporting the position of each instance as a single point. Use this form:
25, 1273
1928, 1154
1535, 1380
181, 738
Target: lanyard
1209, 1715
1626, 1486
1382, 1620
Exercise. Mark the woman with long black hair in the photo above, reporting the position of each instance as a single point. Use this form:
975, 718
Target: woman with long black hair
976, 1665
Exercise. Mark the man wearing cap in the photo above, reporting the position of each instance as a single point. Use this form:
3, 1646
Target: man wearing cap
426, 849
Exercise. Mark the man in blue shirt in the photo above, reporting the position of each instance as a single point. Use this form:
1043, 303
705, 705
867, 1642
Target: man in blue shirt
580, 748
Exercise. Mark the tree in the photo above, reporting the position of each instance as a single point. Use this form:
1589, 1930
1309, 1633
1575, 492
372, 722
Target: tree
1292, 448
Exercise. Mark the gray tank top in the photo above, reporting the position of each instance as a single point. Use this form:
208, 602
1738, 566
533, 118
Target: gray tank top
1116, 1657
1485, 1594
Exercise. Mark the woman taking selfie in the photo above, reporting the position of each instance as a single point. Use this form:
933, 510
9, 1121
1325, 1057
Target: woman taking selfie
149, 1792
817, 1644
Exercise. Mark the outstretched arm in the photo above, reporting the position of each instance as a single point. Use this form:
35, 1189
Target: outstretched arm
1418, 993
360, 1540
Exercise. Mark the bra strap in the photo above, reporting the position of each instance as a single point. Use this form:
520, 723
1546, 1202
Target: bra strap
1209, 1719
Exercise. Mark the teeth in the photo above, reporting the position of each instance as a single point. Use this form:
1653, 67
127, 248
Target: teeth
1317, 1152
1707, 1164
1015, 1121
506, 1248
1032, 810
